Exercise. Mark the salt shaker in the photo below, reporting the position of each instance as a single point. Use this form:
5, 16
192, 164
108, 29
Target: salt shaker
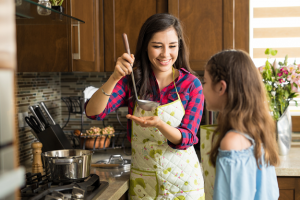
44, 11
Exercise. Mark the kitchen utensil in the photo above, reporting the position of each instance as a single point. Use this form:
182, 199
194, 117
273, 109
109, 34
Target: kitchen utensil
34, 114
144, 104
68, 164
47, 112
53, 138
112, 163
32, 121
41, 116
105, 165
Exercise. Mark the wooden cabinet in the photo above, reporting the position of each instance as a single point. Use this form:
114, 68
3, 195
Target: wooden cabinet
126, 16
209, 25
62, 45
289, 188
87, 44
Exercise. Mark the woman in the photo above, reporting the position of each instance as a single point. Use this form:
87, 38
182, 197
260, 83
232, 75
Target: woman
164, 162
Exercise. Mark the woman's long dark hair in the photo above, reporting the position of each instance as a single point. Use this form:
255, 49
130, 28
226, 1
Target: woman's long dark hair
142, 65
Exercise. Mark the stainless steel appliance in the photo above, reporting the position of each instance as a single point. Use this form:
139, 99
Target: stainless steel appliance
66, 165
40, 187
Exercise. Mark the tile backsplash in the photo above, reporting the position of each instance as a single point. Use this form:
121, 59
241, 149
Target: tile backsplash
31, 89
34, 87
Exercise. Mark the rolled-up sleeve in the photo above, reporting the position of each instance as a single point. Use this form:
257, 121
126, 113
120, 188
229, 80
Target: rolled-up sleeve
118, 98
193, 113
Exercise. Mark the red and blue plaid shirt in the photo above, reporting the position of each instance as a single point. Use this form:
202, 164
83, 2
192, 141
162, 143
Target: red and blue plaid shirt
190, 91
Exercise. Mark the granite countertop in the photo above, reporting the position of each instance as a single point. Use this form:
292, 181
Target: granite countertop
118, 179
117, 185
289, 164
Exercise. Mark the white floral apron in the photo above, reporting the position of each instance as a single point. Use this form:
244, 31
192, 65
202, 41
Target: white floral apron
157, 170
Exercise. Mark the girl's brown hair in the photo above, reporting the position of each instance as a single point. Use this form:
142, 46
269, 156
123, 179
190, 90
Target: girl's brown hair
247, 108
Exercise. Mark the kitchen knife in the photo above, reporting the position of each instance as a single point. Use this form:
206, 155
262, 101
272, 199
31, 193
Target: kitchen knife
47, 112
33, 112
41, 116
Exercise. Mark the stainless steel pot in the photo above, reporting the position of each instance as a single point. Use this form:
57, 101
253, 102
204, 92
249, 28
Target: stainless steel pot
68, 164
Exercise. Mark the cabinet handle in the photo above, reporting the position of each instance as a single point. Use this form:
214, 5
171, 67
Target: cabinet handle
77, 55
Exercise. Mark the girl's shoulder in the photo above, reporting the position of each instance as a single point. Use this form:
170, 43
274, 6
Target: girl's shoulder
234, 141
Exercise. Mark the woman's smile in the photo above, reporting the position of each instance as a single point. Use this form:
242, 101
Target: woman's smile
164, 61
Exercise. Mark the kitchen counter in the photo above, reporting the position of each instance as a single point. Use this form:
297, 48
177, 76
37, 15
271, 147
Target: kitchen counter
117, 185
118, 179
289, 164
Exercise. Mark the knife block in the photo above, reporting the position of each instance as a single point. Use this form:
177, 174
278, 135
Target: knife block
53, 138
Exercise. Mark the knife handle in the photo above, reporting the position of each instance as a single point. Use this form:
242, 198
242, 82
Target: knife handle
41, 116
47, 112
33, 112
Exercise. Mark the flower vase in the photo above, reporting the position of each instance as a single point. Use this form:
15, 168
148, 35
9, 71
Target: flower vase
284, 132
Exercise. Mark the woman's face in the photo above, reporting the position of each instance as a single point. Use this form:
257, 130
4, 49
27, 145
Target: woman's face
163, 50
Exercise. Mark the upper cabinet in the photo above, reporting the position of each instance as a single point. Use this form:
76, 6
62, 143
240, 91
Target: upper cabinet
95, 45
87, 44
211, 26
126, 16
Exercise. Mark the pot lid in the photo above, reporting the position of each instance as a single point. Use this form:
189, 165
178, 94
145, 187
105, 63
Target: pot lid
114, 162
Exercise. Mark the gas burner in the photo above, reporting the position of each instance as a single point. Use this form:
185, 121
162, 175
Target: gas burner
39, 187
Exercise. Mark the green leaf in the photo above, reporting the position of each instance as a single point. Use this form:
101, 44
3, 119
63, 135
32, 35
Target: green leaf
273, 52
267, 51
285, 60
281, 64
286, 94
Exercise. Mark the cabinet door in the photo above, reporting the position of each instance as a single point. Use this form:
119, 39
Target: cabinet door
87, 38
42, 48
289, 188
212, 25
125, 16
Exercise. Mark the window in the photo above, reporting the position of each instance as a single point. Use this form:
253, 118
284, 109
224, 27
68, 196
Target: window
274, 24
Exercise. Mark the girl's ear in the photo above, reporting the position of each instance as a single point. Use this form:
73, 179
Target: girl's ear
223, 87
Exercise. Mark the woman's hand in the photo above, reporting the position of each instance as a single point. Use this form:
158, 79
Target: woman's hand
152, 121
123, 66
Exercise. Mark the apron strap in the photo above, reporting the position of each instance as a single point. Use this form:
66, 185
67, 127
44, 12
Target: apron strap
174, 82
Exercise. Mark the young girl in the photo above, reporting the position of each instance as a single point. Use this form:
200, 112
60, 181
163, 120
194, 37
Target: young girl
164, 162
245, 152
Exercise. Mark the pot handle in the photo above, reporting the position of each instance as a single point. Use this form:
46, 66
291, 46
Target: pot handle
64, 161
115, 156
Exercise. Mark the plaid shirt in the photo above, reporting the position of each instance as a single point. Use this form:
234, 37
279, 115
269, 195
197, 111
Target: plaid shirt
190, 91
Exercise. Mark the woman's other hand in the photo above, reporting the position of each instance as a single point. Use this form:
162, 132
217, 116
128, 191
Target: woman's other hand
152, 121
123, 66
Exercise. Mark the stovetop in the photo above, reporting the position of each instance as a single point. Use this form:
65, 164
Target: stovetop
39, 187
